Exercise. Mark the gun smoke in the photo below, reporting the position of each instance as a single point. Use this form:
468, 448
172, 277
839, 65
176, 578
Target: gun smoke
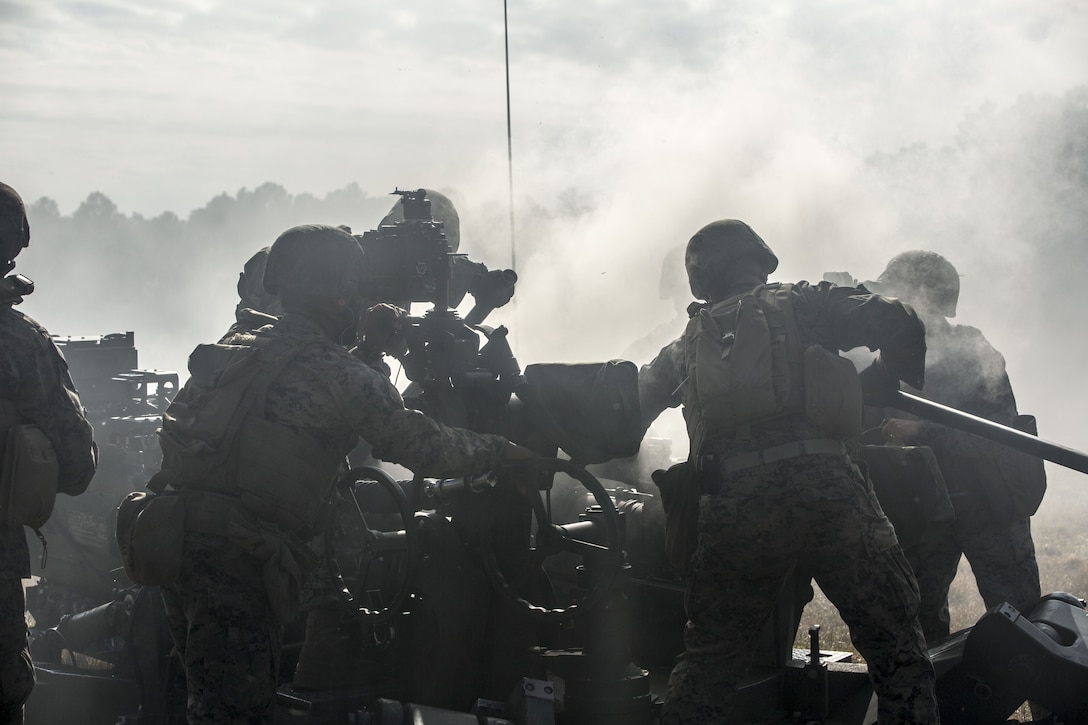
844, 133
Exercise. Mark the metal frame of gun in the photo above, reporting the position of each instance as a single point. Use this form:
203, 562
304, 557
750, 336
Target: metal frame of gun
1024, 442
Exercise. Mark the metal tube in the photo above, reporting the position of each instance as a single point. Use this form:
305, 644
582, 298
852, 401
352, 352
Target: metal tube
1024, 442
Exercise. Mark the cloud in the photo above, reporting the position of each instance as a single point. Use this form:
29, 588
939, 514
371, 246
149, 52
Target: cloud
843, 131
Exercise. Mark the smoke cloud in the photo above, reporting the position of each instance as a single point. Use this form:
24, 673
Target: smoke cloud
843, 132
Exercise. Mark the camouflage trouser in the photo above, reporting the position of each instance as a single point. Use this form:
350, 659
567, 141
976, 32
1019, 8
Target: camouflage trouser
228, 639
1002, 558
819, 513
16, 670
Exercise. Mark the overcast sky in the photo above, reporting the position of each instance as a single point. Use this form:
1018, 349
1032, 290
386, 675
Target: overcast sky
664, 116
163, 104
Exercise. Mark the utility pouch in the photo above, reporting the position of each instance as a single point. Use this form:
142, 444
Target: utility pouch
151, 537
1013, 482
28, 478
1033, 483
910, 488
744, 364
732, 369
680, 490
832, 394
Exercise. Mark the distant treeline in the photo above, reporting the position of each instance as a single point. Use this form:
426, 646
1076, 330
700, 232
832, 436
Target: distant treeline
226, 222
1006, 199
100, 270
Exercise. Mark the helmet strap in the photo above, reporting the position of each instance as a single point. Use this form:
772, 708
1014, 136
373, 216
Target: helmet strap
347, 322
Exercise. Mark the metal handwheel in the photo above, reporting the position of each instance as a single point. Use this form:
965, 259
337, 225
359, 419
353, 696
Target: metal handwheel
384, 567
552, 539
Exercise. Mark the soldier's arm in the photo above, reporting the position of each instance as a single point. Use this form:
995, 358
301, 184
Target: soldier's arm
850, 317
408, 437
660, 381
49, 400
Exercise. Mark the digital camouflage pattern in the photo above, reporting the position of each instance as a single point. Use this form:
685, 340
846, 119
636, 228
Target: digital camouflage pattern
1002, 558
816, 512
964, 371
227, 638
839, 318
36, 384
335, 397
338, 399
35, 388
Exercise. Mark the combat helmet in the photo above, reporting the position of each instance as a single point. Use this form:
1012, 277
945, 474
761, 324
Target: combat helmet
316, 260
922, 279
251, 291
14, 227
442, 210
718, 245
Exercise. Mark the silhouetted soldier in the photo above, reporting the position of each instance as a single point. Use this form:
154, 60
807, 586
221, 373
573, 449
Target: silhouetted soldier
993, 490
256, 495
770, 408
36, 397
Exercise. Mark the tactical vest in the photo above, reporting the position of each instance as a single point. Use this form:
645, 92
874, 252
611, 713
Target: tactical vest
215, 437
746, 366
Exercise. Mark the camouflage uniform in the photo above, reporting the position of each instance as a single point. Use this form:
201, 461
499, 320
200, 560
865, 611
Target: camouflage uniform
815, 511
220, 615
964, 371
34, 380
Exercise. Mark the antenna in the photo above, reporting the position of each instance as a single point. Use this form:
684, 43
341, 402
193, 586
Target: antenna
509, 138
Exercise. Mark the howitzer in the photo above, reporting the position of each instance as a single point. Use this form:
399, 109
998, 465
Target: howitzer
482, 542
1011, 437
411, 261
124, 404
427, 638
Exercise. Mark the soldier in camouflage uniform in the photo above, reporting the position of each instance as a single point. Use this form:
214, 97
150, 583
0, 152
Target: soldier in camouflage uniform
35, 389
245, 552
993, 490
782, 492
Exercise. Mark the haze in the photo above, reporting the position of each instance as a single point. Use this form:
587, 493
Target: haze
843, 132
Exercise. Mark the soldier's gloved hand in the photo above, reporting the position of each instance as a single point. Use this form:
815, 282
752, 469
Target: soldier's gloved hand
878, 386
380, 330
903, 432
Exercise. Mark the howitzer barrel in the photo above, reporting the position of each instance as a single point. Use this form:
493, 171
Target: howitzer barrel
1024, 442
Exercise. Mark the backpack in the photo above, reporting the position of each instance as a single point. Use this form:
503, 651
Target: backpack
202, 422
743, 362
215, 438
746, 365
